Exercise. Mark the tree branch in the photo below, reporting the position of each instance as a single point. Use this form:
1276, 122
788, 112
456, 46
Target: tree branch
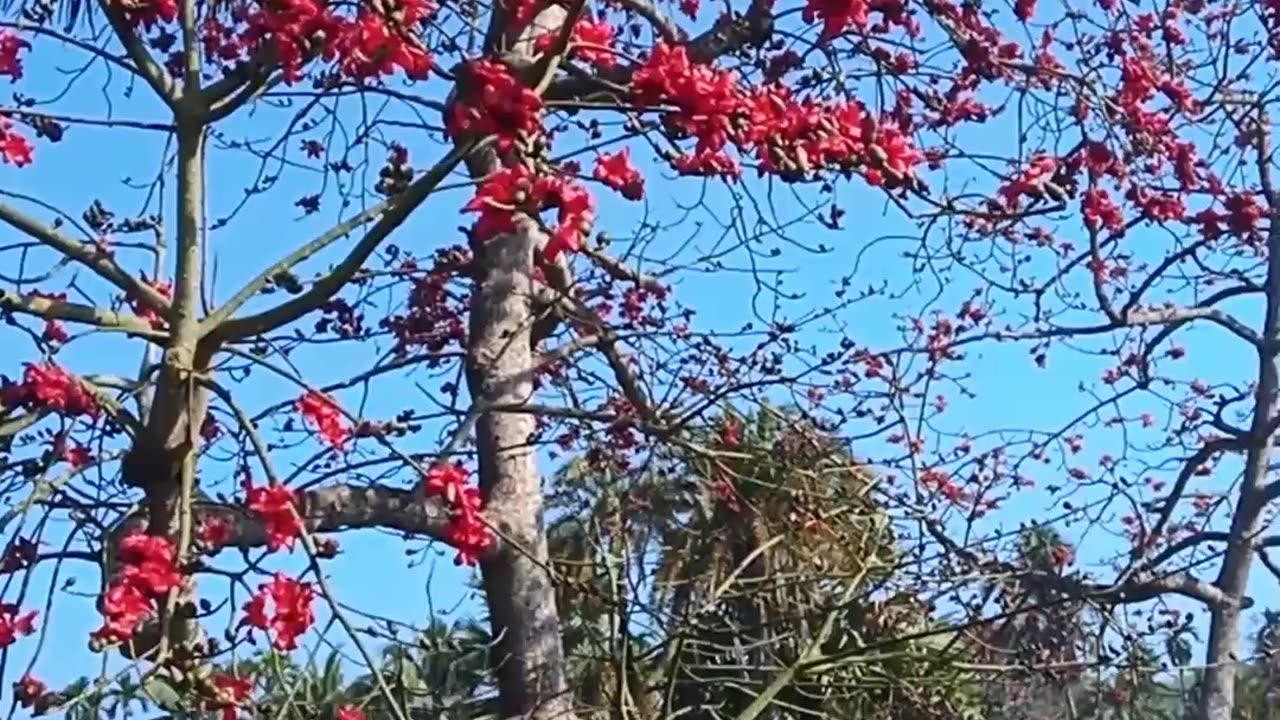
153, 72
333, 508
219, 329
88, 255
342, 507
728, 34
75, 312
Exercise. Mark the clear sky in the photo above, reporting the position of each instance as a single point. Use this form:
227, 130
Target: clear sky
1008, 391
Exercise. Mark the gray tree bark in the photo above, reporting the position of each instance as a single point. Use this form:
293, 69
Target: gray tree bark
1218, 692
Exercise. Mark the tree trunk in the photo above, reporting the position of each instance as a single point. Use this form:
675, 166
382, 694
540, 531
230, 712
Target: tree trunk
1218, 691
527, 656
161, 460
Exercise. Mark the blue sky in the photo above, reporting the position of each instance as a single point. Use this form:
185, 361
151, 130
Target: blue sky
1009, 392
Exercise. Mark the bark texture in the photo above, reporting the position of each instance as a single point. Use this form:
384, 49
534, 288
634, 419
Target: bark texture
1218, 692
527, 656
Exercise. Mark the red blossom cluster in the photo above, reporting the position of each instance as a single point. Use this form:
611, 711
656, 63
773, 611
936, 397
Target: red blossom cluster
14, 148
722, 486
1100, 211
20, 554
497, 104
1241, 215
794, 139
150, 13
15, 624
592, 40
54, 331
837, 16
145, 312
229, 693
370, 46
46, 386
349, 712
213, 533
290, 601
616, 171
433, 320
520, 13
29, 691
517, 189
277, 506
321, 411
69, 451
466, 532
10, 61
147, 572
939, 481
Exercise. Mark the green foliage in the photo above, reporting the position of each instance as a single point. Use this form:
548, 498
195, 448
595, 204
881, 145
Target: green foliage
755, 550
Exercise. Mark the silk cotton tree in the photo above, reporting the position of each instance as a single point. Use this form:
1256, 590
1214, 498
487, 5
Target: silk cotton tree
489, 306
541, 123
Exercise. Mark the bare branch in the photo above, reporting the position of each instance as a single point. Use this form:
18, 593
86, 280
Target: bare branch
91, 256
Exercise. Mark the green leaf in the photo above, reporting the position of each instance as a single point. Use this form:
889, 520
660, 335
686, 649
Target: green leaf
331, 682
1179, 649
162, 693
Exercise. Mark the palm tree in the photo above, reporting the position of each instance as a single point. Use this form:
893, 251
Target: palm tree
743, 555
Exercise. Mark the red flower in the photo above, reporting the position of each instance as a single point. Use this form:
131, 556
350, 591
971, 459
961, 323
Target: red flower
724, 491
28, 691
498, 104
289, 25
10, 46
793, 139
466, 532
54, 332
14, 149
521, 13
371, 48
47, 386
123, 607
230, 693
146, 312
291, 602
496, 200
617, 172
76, 455
446, 481
592, 40
731, 433
150, 12
350, 712
275, 504
577, 215
324, 413
1062, 555
148, 571
368, 47
514, 189
14, 625
214, 532
148, 562
837, 15
1100, 211
19, 555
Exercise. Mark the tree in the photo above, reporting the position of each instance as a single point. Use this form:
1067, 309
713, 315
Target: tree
1134, 209
657, 623
754, 552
